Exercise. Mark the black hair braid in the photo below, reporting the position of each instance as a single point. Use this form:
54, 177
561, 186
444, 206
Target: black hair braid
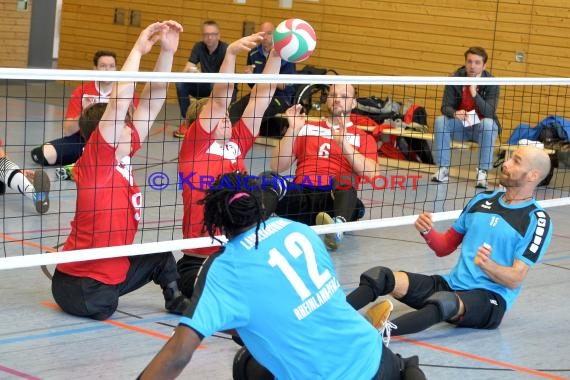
226, 210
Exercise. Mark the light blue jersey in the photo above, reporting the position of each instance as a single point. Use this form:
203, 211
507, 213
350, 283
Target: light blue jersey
287, 305
522, 231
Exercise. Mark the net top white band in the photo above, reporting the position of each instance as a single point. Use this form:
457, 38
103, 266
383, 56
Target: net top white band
164, 246
95, 75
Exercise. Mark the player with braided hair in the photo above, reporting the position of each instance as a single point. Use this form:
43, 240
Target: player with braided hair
228, 211
312, 332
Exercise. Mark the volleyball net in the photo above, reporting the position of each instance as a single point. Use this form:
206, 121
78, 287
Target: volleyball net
398, 113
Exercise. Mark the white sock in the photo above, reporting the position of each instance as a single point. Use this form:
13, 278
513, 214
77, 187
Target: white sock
12, 176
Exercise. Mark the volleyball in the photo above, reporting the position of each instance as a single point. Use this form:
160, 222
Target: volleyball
295, 40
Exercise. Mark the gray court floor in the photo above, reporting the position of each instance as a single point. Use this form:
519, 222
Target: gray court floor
38, 341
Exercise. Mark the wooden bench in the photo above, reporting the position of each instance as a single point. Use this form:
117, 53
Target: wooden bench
458, 172
274, 141
428, 136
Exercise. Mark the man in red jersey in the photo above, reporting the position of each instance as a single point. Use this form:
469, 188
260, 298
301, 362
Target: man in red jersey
66, 150
108, 199
325, 151
212, 147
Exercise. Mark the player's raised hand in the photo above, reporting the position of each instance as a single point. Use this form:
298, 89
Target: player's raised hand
338, 135
245, 44
341, 120
295, 118
148, 37
274, 53
170, 35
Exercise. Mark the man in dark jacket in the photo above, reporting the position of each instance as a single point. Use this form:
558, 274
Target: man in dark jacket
469, 113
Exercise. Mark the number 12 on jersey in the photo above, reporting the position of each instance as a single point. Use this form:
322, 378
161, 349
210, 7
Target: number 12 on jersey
296, 245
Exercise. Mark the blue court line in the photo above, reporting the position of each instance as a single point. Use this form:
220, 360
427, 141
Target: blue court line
82, 330
27, 338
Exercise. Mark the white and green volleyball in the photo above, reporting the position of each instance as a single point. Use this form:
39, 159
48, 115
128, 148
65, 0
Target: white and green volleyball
294, 40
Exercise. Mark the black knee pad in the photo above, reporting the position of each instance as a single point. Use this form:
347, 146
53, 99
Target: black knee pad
240, 364
446, 302
245, 367
2, 188
38, 155
380, 279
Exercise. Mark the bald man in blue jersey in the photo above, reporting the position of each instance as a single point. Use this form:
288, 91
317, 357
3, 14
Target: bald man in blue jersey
502, 235
276, 285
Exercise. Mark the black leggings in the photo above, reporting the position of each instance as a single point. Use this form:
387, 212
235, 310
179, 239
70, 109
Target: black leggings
68, 149
484, 309
188, 268
392, 367
87, 297
303, 205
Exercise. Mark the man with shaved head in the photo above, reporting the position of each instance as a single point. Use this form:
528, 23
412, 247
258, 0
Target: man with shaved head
502, 233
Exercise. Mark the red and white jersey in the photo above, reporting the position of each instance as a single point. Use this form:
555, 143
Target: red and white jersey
202, 159
107, 209
86, 94
319, 155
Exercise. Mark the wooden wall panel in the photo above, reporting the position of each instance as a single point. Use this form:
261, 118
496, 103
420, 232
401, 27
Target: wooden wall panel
15, 32
86, 28
364, 37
